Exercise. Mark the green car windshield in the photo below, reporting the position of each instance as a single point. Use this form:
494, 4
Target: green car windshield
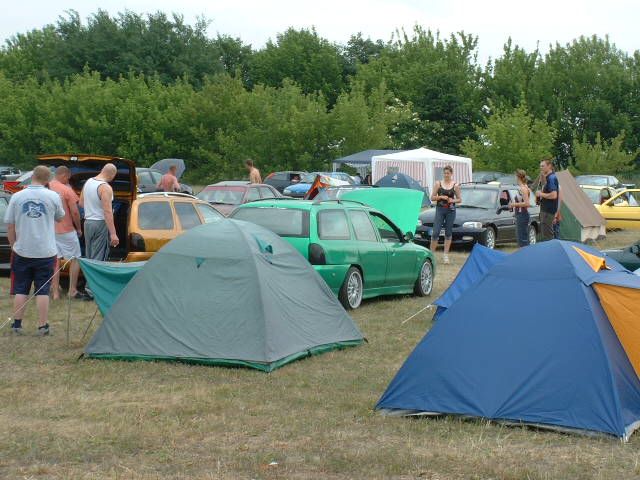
286, 222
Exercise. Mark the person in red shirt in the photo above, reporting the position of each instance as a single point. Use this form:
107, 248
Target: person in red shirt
169, 181
68, 233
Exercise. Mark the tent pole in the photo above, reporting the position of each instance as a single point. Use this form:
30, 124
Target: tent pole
90, 323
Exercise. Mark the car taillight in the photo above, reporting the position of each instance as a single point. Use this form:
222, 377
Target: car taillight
316, 255
136, 243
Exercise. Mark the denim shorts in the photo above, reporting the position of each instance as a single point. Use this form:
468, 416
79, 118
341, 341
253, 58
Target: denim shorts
444, 217
27, 271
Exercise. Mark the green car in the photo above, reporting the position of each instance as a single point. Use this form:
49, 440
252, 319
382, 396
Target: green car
628, 257
358, 251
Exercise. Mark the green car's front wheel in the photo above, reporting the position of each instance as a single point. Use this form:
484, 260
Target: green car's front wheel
424, 282
350, 295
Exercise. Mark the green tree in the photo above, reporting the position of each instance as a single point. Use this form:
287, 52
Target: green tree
512, 139
604, 156
586, 88
304, 57
235, 56
360, 121
360, 51
507, 78
441, 81
114, 46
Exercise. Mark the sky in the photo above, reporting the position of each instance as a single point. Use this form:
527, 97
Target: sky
529, 24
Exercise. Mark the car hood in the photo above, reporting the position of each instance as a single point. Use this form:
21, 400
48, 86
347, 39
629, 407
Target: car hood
84, 167
224, 208
401, 205
463, 215
164, 164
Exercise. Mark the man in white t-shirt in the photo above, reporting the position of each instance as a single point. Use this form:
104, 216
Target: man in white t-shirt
30, 219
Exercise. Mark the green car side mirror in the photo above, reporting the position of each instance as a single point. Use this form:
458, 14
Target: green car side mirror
408, 237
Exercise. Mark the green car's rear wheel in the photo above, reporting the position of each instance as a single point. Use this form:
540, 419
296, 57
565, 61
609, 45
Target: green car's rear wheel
424, 282
350, 295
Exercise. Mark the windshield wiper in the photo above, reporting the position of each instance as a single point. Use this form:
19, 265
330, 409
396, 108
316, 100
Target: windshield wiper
222, 203
462, 205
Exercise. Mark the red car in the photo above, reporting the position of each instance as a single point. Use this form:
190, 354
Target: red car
226, 196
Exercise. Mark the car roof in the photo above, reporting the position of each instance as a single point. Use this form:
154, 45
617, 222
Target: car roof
230, 182
166, 196
299, 204
486, 186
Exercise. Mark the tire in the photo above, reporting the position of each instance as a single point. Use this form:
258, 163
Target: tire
533, 235
489, 240
424, 282
350, 295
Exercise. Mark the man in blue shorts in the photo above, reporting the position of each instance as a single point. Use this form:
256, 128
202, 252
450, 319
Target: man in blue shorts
30, 219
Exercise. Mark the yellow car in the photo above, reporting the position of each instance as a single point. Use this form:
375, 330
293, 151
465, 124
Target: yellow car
622, 210
157, 218
598, 195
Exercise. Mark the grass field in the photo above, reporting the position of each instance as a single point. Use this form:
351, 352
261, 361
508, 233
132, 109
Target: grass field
61, 418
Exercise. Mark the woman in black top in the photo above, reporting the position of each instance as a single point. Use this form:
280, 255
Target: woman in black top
520, 206
446, 194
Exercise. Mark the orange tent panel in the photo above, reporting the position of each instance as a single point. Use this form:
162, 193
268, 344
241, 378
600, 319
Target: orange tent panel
595, 262
622, 306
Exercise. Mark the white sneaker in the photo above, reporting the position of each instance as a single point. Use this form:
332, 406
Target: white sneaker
446, 258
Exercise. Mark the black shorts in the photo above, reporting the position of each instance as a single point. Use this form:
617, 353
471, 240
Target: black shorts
26, 271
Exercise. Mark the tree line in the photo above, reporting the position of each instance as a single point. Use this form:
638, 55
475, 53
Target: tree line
150, 87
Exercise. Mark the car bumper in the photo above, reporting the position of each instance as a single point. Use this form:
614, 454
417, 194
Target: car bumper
333, 275
459, 235
138, 256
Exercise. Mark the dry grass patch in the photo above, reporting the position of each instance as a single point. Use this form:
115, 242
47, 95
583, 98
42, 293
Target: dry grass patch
61, 418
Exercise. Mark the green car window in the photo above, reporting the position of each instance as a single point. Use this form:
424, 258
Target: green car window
362, 226
387, 232
286, 222
333, 225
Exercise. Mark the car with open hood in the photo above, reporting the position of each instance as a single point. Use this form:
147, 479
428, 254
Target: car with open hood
143, 223
358, 250
482, 217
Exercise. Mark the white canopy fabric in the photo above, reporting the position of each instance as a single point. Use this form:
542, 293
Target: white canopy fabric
422, 154
422, 164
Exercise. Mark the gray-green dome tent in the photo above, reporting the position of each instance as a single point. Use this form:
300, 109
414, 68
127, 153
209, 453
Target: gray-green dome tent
224, 293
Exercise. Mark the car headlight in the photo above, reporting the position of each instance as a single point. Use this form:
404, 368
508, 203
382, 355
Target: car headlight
286, 191
472, 225
419, 224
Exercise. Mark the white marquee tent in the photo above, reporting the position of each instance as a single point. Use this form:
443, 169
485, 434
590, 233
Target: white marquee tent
422, 164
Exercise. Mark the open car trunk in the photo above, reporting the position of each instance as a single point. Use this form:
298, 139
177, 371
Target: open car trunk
84, 167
